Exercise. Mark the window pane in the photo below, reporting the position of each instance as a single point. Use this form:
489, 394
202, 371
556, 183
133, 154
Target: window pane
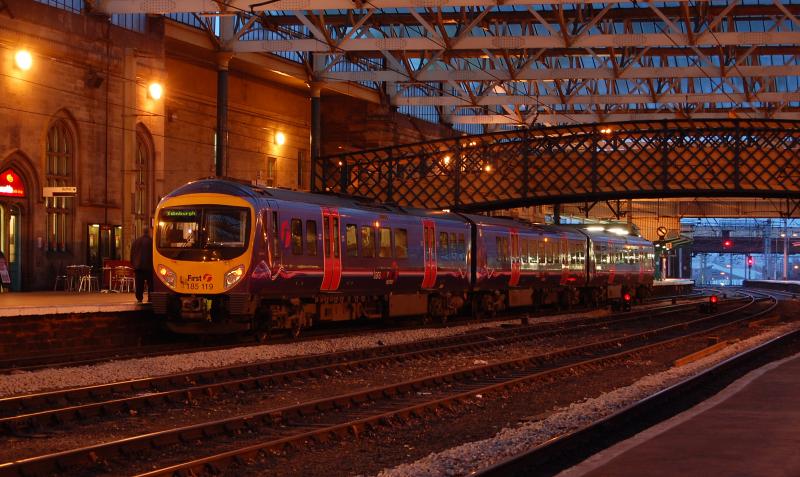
326, 232
401, 243
462, 247
311, 237
367, 242
351, 240
443, 245
385, 250
297, 237
336, 237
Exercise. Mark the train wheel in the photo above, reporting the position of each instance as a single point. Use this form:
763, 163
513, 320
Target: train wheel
298, 323
261, 336
296, 329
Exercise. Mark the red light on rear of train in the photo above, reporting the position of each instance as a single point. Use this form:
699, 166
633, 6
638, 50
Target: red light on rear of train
714, 298
626, 297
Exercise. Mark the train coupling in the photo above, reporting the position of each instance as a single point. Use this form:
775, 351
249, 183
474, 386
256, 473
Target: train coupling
195, 308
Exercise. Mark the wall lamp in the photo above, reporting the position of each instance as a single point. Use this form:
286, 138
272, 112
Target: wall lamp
280, 138
155, 90
23, 60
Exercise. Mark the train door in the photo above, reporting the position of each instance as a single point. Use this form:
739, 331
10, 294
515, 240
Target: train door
563, 257
612, 261
271, 235
515, 263
331, 242
429, 253
10, 243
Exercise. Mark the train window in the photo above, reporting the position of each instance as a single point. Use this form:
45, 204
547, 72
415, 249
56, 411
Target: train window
311, 237
367, 242
502, 248
523, 252
444, 246
462, 246
385, 249
326, 232
297, 237
401, 243
453, 246
351, 240
336, 237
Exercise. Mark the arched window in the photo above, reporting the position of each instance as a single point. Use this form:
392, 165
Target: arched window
141, 192
59, 160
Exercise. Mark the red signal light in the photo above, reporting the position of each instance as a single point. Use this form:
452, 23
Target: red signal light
714, 299
750, 261
727, 243
626, 297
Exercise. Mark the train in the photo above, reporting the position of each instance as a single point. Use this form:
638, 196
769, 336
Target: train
230, 256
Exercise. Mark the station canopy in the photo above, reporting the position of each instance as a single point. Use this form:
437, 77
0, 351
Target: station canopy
488, 65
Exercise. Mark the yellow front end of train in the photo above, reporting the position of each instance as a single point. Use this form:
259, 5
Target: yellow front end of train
203, 248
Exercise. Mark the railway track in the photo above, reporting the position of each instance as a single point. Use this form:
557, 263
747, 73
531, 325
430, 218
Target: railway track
82, 358
40, 410
344, 414
569, 449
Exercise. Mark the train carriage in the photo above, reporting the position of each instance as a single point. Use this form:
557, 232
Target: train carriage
230, 256
290, 257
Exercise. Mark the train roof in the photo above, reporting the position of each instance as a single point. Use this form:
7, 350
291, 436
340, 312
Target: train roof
256, 192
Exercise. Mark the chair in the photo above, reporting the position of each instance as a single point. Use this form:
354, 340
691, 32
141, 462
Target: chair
61, 279
87, 281
73, 275
123, 279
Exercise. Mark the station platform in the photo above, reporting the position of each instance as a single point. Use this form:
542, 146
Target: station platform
673, 282
785, 285
52, 303
748, 429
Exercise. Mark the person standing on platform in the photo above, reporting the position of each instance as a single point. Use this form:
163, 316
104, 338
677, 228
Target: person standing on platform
142, 262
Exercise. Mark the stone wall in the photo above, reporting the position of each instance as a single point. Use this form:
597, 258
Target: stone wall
94, 76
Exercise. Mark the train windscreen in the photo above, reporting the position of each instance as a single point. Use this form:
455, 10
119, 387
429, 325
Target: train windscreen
203, 233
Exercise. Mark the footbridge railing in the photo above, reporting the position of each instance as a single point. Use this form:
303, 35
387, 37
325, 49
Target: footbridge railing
648, 159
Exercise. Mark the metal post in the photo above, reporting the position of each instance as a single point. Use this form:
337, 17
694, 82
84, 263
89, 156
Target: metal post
316, 130
557, 214
786, 254
730, 270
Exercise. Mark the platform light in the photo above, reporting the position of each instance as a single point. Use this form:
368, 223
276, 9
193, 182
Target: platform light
606, 131
23, 60
487, 168
446, 160
155, 90
280, 138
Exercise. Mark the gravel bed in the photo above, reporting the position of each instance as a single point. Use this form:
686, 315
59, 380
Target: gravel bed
51, 379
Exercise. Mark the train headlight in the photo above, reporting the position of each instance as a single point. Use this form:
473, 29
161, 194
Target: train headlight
233, 276
167, 276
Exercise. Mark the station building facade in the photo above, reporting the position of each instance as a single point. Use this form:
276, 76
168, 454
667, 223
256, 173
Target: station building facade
79, 116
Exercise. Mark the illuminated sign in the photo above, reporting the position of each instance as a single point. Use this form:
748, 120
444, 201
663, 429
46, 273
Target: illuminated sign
11, 184
180, 213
